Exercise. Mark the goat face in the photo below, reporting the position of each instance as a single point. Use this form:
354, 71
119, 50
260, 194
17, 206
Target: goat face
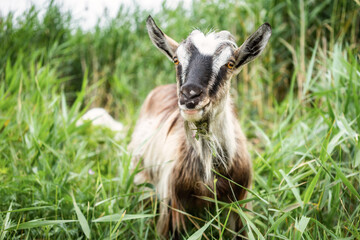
205, 65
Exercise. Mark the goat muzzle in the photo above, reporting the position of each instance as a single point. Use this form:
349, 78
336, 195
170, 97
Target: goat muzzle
190, 95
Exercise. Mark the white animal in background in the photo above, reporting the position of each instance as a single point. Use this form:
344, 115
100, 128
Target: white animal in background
100, 117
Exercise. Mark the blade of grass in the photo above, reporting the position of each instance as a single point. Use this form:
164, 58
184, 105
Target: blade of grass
310, 189
197, 235
6, 222
117, 224
117, 217
226, 220
250, 224
344, 179
38, 223
294, 190
278, 222
301, 225
27, 209
82, 220
237, 184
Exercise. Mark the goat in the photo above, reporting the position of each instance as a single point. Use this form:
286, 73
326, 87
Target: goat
188, 130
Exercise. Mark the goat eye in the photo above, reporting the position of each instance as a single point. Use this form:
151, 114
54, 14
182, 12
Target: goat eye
176, 60
230, 65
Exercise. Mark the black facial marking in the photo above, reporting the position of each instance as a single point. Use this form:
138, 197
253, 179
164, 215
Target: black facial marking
179, 73
219, 80
200, 68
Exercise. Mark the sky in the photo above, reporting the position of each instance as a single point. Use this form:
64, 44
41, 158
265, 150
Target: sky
85, 11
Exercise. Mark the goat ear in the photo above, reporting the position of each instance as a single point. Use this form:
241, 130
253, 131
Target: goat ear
164, 43
253, 46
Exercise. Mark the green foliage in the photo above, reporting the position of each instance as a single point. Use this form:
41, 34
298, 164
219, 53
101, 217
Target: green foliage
299, 105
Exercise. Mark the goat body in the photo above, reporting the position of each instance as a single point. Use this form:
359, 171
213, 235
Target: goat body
187, 133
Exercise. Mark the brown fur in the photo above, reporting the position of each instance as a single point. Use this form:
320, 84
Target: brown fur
185, 180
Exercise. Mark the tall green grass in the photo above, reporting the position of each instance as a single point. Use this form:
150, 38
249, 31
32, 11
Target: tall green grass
299, 105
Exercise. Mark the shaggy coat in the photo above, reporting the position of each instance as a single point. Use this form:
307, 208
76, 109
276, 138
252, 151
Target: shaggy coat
187, 134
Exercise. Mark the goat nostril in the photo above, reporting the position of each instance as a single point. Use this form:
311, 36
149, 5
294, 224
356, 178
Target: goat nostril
190, 91
190, 105
184, 94
194, 94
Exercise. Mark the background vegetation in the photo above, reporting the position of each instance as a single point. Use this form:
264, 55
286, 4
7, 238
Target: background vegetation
298, 105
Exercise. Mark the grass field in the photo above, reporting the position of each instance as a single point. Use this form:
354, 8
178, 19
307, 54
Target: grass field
298, 104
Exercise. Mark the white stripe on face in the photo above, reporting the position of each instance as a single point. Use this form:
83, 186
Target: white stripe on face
221, 59
184, 57
206, 44
218, 62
